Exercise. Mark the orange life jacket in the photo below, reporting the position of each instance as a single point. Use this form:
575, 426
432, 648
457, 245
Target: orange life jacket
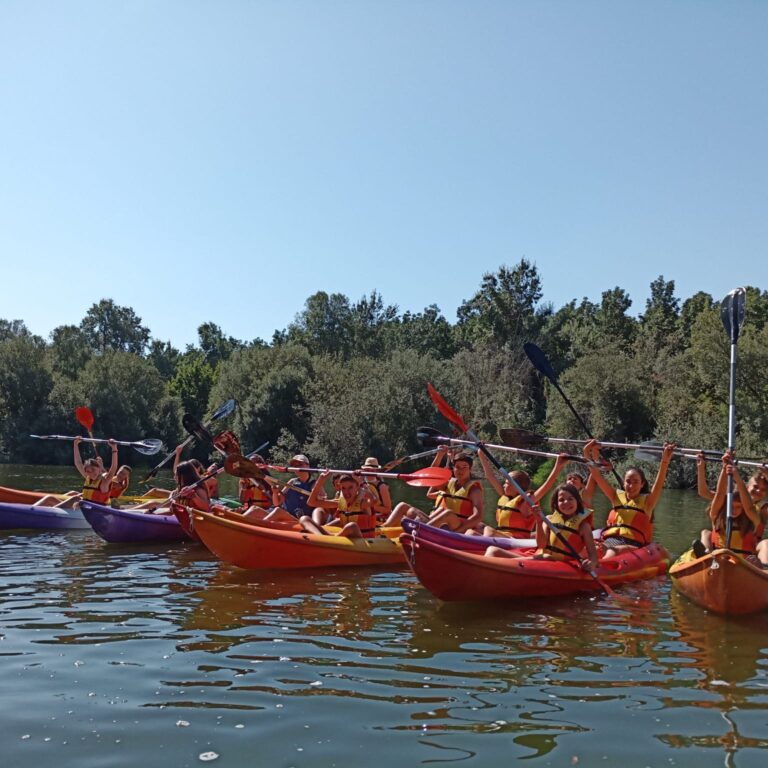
256, 493
515, 516
742, 543
456, 499
629, 520
92, 491
355, 512
568, 528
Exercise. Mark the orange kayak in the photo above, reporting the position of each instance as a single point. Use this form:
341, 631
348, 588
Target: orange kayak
250, 545
452, 574
721, 581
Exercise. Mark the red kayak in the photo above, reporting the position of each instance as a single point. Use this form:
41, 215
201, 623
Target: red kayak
452, 574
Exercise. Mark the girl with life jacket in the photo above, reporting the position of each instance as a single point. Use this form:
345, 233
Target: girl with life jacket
382, 504
96, 482
188, 492
352, 510
565, 534
119, 484
630, 521
757, 487
746, 527
460, 503
515, 517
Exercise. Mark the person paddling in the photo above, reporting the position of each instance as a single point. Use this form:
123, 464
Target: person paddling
292, 501
96, 482
119, 484
630, 521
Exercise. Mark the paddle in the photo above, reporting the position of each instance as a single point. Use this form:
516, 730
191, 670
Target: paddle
221, 412
732, 311
390, 465
84, 417
428, 436
540, 362
148, 447
651, 451
239, 466
522, 438
457, 421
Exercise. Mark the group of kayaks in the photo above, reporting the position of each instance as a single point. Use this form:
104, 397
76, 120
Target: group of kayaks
452, 566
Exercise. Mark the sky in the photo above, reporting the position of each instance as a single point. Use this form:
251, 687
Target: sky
222, 161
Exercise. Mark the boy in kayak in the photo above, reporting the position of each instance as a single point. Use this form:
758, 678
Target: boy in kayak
291, 503
352, 510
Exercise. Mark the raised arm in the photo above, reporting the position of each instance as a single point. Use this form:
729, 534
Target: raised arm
701, 478
592, 452
549, 483
720, 490
661, 476
490, 475
746, 500
315, 499
78, 459
112, 471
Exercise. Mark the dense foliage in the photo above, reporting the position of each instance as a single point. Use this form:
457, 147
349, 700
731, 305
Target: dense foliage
347, 379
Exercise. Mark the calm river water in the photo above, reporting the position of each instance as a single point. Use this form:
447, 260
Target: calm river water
126, 656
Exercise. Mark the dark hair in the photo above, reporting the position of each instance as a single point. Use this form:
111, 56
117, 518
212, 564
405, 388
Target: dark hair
573, 490
576, 474
644, 488
198, 465
348, 479
187, 473
741, 521
463, 457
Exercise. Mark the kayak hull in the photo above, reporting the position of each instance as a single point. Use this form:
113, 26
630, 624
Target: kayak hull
250, 545
132, 527
722, 582
25, 517
454, 575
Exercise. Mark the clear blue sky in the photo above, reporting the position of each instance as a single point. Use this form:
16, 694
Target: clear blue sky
223, 160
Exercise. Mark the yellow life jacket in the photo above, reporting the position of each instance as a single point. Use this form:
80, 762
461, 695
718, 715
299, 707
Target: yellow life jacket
92, 491
456, 499
355, 512
515, 516
629, 520
568, 528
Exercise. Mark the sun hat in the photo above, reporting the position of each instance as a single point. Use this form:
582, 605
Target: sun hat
372, 463
299, 458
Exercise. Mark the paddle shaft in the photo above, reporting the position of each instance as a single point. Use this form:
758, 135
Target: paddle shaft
139, 443
539, 360
353, 472
509, 448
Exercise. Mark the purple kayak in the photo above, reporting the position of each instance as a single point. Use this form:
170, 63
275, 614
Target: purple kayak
27, 516
132, 526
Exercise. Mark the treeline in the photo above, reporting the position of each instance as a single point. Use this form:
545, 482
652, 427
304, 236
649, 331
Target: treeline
346, 379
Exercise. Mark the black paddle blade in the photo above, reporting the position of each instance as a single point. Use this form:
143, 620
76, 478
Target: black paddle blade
196, 429
238, 466
539, 360
732, 310
430, 437
521, 438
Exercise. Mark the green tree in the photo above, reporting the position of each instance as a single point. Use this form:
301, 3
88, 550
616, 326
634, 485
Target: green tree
69, 350
215, 346
108, 326
504, 310
25, 383
659, 323
192, 383
165, 357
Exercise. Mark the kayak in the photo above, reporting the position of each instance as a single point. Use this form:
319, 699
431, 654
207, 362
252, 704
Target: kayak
224, 510
451, 574
132, 526
249, 545
721, 581
469, 543
18, 496
27, 516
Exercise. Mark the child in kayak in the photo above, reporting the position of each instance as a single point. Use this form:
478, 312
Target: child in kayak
292, 501
119, 484
514, 516
188, 494
565, 534
352, 510
382, 504
630, 521
96, 482
747, 526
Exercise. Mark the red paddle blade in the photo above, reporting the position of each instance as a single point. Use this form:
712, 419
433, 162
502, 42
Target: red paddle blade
446, 409
428, 477
84, 417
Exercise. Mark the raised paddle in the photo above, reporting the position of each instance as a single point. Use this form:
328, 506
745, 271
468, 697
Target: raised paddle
390, 465
651, 451
428, 436
220, 413
542, 365
458, 422
427, 477
732, 311
84, 417
522, 438
148, 447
